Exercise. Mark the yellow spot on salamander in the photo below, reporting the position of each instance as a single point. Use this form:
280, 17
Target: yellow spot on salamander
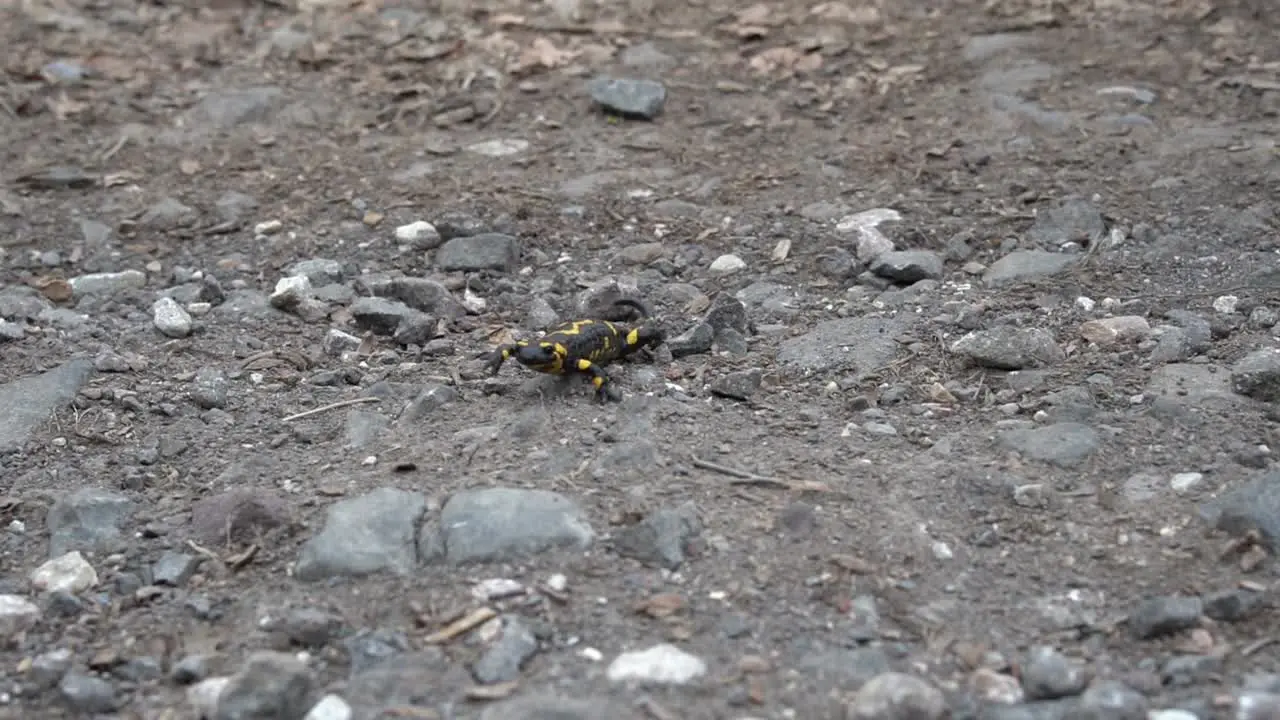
633, 338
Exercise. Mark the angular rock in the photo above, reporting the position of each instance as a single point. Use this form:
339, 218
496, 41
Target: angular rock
89, 519
17, 614
897, 696
271, 686
170, 318
362, 535
694, 341
237, 515
424, 294
487, 251
908, 266
738, 385
1024, 265
663, 664
660, 539
1074, 219
863, 343
1005, 347
1048, 674
1250, 506
504, 524
1107, 331
1166, 615
1066, 444
383, 316
1257, 375
628, 97
503, 658
29, 401
211, 388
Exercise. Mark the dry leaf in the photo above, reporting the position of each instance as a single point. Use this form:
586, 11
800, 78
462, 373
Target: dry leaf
661, 605
542, 54
55, 289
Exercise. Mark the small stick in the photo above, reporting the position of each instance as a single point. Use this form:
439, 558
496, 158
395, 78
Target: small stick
473, 619
1257, 645
752, 480
331, 406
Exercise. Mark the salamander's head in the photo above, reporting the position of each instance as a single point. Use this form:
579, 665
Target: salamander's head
543, 356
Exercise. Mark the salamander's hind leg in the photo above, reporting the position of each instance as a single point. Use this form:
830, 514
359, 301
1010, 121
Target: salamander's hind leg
605, 389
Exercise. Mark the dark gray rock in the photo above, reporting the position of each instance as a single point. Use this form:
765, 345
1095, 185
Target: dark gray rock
738, 385
1074, 219
1165, 615
694, 341
503, 658
271, 686
29, 401
661, 538
1252, 505
175, 568
864, 344
632, 98
503, 524
211, 388
89, 520
472, 253
908, 266
424, 294
1257, 375
88, 694
1005, 347
383, 316
362, 535
1062, 444
1048, 675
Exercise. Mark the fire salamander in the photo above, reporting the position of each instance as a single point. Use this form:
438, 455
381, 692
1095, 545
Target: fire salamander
582, 346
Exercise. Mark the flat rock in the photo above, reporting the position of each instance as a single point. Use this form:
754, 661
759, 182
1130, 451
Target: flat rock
270, 685
908, 266
502, 524
89, 520
472, 253
1023, 265
29, 401
1010, 348
629, 97
1066, 444
362, 535
863, 343
1194, 387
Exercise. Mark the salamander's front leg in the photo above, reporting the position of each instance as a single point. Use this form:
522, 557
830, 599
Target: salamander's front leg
500, 354
605, 389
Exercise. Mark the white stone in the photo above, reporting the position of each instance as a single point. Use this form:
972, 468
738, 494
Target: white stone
871, 242
170, 319
417, 231
290, 291
1171, 714
203, 696
16, 614
727, 265
500, 147
69, 573
1226, 304
665, 664
268, 227
330, 707
1086, 303
1184, 482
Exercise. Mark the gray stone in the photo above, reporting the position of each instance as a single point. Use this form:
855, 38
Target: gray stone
320, 271
863, 343
544, 706
1165, 615
632, 98
487, 251
88, 520
1252, 505
271, 686
1193, 387
308, 626
503, 524
168, 213
1111, 700
424, 294
738, 385
1073, 219
660, 538
1048, 674
897, 696
175, 568
1005, 347
1025, 265
503, 658
211, 388
363, 428
29, 401
908, 266
1257, 375
727, 313
431, 399
88, 694
383, 316
694, 341
1065, 444
362, 535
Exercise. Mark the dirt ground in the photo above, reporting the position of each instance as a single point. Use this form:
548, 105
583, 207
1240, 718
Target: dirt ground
816, 500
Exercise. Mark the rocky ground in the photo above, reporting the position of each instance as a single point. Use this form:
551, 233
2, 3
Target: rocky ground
966, 408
